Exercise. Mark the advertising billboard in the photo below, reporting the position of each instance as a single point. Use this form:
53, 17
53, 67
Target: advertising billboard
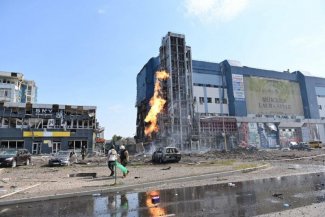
238, 86
267, 96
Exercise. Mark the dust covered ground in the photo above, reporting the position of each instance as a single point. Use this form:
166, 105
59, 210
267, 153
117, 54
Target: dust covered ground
39, 180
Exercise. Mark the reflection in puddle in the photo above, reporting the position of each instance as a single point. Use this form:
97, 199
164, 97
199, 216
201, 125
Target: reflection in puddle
245, 199
152, 202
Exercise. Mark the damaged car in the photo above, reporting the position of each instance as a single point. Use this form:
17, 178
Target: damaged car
63, 158
166, 154
301, 146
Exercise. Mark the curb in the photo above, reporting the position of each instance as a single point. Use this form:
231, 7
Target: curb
130, 187
298, 158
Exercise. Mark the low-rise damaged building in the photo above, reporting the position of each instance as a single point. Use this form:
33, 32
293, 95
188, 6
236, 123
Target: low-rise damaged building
47, 128
43, 128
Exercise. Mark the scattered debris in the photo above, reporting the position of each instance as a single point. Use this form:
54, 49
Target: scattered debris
231, 184
137, 177
286, 205
5, 180
167, 168
83, 175
278, 195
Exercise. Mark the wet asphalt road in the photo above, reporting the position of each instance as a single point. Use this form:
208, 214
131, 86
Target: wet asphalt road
247, 198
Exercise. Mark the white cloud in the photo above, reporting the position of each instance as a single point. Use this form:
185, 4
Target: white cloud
215, 10
101, 11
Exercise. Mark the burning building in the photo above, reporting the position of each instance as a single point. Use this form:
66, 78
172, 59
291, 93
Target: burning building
174, 119
225, 105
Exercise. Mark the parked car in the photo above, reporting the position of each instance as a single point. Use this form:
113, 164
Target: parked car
315, 144
300, 146
166, 154
62, 158
14, 157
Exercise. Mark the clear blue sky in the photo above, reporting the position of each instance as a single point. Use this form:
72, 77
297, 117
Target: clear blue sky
88, 52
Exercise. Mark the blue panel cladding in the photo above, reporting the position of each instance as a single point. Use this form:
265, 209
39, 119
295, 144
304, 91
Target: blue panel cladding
203, 67
304, 94
311, 84
206, 79
206, 73
141, 86
145, 81
320, 91
152, 67
236, 107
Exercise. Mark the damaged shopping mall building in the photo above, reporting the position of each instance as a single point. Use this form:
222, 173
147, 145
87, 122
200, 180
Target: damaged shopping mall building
223, 105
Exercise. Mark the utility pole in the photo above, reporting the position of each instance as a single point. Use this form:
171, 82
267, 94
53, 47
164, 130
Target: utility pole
224, 133
222, 113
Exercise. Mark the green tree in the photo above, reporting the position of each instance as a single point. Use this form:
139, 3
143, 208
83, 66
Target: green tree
116, 138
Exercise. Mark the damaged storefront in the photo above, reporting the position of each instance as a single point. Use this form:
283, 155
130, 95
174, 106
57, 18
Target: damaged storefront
47, 128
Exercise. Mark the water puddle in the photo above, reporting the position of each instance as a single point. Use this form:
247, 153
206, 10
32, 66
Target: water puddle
247, 198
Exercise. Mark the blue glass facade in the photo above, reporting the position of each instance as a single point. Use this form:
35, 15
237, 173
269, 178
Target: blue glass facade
145, 81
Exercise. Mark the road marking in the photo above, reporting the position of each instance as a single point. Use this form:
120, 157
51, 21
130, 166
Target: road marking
24, 189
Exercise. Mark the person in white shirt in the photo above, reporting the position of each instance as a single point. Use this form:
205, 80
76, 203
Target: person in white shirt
112, 157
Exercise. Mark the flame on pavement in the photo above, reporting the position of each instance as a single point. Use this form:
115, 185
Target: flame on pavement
156, 103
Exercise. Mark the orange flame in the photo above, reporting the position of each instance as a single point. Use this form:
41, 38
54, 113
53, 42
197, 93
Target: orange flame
157, 104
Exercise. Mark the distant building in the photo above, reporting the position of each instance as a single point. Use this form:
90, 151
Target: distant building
225, 105
14, 88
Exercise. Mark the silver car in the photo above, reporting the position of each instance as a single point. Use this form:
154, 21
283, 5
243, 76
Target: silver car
63, 158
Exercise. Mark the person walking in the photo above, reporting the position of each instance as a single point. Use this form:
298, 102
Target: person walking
112, 157
112, 161
124, 158
83, 152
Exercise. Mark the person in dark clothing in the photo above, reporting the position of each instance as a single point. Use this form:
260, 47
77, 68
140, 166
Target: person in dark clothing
83, 152
124, 155
124, 158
